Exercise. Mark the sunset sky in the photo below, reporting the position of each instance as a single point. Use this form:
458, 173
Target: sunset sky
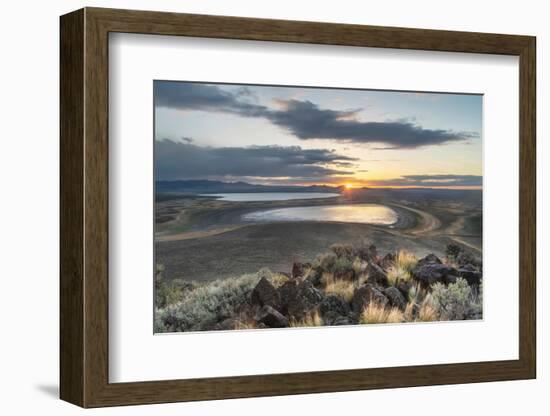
295, 135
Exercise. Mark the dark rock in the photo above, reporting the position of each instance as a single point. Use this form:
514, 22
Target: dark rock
334, 304
265, 294
366, 294
376, 276
397, 300
430, 273
470, 274
342, 320
297, 298
271, 317
404, 287
315, 277
429, 259
299, 269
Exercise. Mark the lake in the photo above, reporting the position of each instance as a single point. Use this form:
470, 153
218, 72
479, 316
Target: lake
361, 213
271, 196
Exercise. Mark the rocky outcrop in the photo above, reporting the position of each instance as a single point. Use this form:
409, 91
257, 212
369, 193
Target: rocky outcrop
271, 317
333, 308
376, 276
429, 273
396, 299
469, 273
298, 298
366, 294
429, 259
265, 294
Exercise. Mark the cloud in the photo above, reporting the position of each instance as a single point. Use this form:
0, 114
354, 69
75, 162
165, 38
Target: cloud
191, 96
184, 160
430, 180
305, 119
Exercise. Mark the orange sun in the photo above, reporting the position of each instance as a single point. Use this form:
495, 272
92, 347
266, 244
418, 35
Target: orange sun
348, 186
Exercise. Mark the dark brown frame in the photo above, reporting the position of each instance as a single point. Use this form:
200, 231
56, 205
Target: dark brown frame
84, 209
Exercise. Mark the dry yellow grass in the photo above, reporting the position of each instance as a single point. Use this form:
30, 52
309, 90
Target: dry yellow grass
278, 279
405, 261
427, 312
408, 315
342, 288
249, 324
378, 314
311, 319
396, 273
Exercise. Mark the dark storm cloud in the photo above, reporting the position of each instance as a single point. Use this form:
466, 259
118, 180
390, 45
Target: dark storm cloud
189, 96
183, 160
431, 180
304, 119
307, 121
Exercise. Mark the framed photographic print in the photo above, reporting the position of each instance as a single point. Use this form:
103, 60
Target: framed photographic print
257, 207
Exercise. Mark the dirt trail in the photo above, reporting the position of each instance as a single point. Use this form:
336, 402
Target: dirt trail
196, 234
428, 222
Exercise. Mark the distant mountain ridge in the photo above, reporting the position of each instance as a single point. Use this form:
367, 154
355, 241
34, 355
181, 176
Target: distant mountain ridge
208, 186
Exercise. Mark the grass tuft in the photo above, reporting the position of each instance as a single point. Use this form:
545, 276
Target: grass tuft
377, 314
342, 288
311, 319
405, 261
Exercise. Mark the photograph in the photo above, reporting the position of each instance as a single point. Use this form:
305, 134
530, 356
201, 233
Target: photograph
280, 206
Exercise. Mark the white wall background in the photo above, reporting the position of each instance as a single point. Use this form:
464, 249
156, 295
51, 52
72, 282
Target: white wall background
29, 210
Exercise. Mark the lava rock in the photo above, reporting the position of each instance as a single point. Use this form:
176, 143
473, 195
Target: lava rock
264, 293
397, 300
470, 274
334, 304
298, 297
376, 276
366, 294
404, 287
429, 259
271, 317
430, 273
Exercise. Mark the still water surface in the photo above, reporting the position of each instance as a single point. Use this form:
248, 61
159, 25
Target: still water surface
362, 213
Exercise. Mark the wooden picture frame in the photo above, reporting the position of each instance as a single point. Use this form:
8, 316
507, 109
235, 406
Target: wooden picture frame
84, 207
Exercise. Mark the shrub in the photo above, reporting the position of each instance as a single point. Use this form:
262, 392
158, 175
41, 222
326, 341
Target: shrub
376, 313
342, 264
170, 292
208, 304
453, 250
456, 301
325, 261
